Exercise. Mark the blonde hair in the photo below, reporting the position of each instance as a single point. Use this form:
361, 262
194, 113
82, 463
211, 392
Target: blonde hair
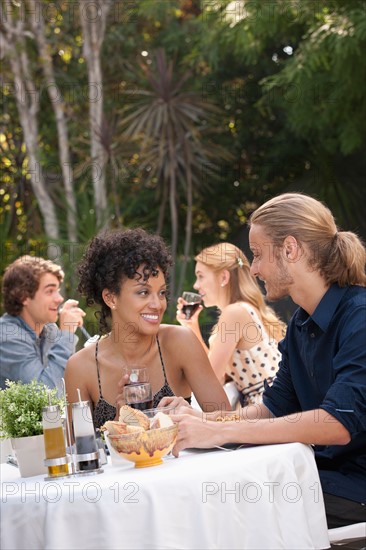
339, 256
242, 286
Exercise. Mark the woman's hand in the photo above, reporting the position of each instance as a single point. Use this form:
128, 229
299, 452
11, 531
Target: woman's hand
181, 317
179, 404
120, 399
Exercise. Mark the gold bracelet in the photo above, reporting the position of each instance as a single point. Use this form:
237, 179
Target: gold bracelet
228, 418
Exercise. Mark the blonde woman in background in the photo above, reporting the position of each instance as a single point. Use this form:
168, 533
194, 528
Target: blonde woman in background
243, 344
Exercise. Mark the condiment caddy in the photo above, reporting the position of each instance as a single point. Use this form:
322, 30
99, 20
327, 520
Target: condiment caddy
62, 458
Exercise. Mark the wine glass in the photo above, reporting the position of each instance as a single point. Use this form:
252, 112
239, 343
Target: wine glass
137, 374
193, 301
139, 396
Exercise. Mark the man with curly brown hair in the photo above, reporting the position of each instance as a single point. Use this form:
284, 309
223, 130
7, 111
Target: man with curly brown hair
32, 346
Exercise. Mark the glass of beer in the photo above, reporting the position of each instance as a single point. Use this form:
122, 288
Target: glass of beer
139, 396
193, 301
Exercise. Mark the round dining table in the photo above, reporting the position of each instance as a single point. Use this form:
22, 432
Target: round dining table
260, 497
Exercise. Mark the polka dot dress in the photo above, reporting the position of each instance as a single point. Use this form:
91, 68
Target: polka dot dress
249, 368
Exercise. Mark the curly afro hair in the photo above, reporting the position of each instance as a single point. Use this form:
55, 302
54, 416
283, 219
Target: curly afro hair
113, 256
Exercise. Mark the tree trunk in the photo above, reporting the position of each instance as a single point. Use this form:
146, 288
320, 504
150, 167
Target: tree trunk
27, 99
174, 226
37, 25
188, 232
162, 208
93, 26
113, 179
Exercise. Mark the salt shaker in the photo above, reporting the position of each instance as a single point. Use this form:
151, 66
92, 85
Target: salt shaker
87, 453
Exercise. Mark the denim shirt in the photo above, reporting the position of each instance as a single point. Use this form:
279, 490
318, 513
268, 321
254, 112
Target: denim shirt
324, 366
24, 356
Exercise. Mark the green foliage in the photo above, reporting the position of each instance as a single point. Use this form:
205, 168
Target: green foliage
171, 125
314, 84
21, 408
288, 77
291, 77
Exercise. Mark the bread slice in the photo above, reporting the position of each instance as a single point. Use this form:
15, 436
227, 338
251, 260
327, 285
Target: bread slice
133, 417
120, 428
114, 428
161, 420
134, 429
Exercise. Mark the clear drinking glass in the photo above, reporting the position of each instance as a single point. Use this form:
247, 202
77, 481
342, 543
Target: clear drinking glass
193, 301
137, 374
139, 396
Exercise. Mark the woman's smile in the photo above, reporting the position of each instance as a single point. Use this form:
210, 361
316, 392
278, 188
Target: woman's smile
151, 318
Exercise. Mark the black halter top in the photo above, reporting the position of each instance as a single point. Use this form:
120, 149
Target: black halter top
104, 411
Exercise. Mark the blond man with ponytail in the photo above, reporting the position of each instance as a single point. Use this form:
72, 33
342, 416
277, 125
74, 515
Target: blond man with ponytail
319, 394
243, 344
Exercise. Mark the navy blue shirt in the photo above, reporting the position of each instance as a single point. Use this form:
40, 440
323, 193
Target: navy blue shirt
324, 366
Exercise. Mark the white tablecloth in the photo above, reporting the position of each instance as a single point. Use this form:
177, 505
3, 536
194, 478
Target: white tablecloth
253, 498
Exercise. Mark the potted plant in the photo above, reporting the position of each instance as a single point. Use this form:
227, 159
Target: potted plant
21, 407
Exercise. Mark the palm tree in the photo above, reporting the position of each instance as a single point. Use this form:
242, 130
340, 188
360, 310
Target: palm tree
172, 126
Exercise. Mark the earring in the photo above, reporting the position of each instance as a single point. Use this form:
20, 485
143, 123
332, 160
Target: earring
113, 307
222, 284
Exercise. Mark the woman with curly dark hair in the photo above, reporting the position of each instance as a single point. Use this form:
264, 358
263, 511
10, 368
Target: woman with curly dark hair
124, 272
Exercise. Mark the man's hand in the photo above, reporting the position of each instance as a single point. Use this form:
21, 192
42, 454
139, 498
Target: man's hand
196, 432
71, 316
